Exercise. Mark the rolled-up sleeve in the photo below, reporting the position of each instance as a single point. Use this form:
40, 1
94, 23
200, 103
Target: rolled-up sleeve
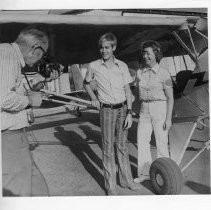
126, 75
167, 81
13, 102
89, 74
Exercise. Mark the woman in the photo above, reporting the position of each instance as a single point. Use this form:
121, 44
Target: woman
156, 96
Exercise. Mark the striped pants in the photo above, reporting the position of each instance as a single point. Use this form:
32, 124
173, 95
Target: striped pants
112, 121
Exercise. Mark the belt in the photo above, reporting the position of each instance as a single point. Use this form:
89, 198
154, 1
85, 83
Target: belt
152, 100
114, 106
12, 132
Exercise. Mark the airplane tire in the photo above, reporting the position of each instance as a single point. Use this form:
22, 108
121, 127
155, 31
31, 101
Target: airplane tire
166, 177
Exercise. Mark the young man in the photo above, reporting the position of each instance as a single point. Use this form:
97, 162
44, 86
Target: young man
114, 100
20, 175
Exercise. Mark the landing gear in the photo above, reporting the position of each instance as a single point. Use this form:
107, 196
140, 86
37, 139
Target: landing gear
166, 177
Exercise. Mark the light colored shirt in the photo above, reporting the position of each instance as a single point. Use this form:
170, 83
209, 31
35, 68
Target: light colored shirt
13, 100
152, 82
110, 80
33, 79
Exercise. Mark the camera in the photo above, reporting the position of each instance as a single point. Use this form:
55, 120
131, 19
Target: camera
45, 69
48, 65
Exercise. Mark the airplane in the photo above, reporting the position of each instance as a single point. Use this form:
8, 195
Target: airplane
183, 35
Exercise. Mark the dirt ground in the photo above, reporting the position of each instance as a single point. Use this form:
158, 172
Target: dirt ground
69, 156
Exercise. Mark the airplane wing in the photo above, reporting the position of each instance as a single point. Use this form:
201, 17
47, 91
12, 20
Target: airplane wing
74, 35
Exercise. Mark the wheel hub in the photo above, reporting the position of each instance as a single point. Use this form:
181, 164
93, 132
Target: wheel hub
159, 180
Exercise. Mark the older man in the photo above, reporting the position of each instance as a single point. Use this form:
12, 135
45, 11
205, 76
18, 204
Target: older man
20, 175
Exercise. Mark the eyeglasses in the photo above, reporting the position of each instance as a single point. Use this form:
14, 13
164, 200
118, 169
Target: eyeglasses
41, 48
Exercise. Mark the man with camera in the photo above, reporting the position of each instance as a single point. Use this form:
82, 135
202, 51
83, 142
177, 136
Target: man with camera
20, 175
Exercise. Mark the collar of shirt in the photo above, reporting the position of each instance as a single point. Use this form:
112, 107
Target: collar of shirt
155, 68
18, 53
116, 62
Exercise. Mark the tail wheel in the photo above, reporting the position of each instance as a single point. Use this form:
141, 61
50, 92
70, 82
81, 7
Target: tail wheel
166, 177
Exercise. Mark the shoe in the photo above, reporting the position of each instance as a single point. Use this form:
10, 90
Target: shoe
111, 192
141, 178
133, 186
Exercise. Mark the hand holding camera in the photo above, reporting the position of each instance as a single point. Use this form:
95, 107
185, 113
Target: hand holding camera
50, 71
54, 74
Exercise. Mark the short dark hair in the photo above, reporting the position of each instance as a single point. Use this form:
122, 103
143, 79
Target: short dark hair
108, 37
156, 47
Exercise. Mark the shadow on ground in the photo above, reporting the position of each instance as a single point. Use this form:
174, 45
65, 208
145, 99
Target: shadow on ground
81, 149
92, 118
8, 193
92, 136
197, 187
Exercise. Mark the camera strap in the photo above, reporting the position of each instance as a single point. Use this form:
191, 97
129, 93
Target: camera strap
23, 72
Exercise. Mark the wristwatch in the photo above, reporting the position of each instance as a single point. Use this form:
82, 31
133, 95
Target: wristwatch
129, 111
